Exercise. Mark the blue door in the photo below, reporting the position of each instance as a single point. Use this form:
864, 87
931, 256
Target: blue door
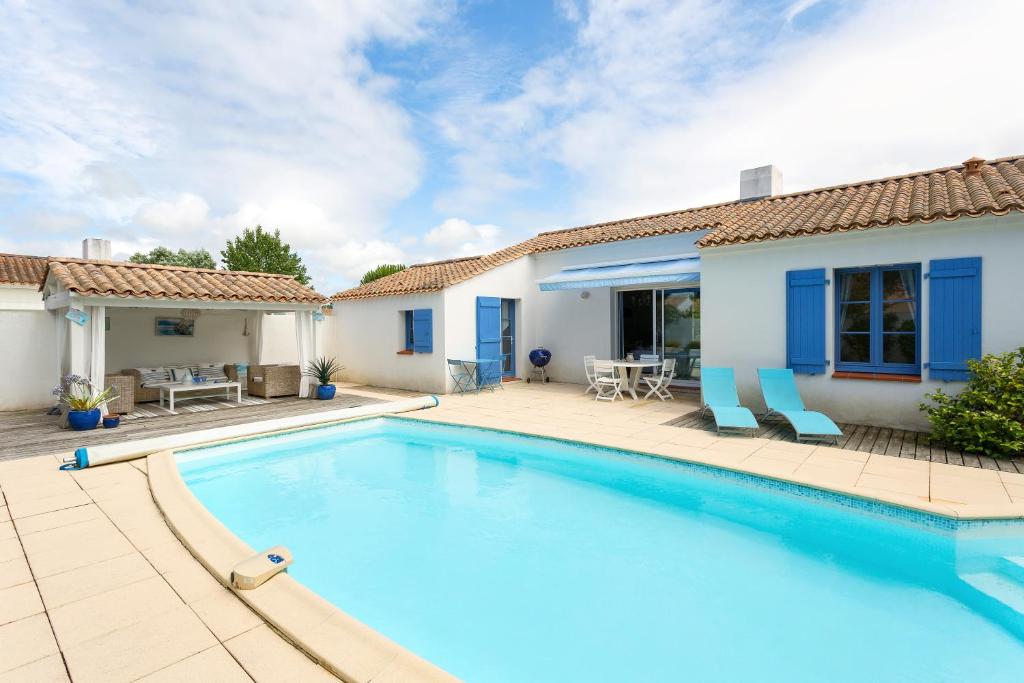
488, 337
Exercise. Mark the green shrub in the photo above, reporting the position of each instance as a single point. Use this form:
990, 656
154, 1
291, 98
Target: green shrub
988, 415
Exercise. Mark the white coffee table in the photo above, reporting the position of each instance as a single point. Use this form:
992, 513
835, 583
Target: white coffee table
168, 390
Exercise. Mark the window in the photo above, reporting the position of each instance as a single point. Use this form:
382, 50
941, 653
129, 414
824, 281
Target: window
877, 319
410, 340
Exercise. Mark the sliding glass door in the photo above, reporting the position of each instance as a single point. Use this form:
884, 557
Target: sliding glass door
665, 322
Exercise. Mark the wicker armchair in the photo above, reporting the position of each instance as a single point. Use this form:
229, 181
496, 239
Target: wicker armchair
124, 385
274, 380
142, 394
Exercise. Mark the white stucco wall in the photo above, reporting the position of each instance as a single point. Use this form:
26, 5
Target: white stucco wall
512, 280
744, 307
28, 349
365, 335
572, 327
132, 340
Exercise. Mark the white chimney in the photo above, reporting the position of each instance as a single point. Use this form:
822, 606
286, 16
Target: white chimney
760, 182
96, 248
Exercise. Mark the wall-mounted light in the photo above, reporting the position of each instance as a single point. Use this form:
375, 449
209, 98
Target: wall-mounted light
584, 295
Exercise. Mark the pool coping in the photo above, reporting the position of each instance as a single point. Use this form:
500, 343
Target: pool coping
337, 641
356, 652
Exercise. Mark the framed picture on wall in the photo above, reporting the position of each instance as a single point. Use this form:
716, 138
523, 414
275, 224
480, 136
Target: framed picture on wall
175, 327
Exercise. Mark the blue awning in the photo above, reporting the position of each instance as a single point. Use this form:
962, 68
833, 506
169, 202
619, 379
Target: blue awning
619, 274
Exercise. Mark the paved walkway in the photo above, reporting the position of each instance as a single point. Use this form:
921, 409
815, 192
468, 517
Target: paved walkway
95, 587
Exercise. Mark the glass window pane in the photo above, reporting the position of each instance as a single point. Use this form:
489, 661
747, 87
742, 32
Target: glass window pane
855, 286
855, 318
855, 348
899, 317
899, 348
899, 284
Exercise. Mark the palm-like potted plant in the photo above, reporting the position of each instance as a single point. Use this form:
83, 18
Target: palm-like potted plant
83, 401
322, 370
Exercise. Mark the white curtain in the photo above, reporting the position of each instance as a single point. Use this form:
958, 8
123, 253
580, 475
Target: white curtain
305, 338
96, 348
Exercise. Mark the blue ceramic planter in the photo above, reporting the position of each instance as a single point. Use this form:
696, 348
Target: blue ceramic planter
82, 420
325, 392
111, 421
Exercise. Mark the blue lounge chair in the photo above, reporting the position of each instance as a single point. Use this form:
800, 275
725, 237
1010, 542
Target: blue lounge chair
718, 394
783, 398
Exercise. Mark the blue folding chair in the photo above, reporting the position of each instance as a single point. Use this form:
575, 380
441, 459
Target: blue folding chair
463, 375
718, 394
778, 386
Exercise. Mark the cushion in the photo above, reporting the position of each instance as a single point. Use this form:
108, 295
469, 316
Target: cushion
153, 375
213, 372
180, 374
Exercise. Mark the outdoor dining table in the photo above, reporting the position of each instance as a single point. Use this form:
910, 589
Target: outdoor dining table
631, 380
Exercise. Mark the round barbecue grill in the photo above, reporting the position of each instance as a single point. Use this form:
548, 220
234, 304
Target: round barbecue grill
539, 358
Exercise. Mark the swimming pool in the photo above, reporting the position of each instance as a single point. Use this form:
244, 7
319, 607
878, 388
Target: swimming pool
508, 558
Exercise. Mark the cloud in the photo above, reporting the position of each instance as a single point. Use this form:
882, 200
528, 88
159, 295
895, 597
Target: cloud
656, 106
459, 237
186, 122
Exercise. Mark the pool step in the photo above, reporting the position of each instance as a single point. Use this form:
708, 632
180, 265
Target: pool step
999, 596
1013, 566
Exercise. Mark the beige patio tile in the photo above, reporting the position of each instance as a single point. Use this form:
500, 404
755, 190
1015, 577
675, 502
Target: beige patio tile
14, 571
804, 449
831, 475
139, 464
741, 446
12, 470
10, 549
770, 466
79, 545
954, 489
37, 506
149, 535
904, 485
7, 531
5, 514
881, 464
296, 610
841, 454
1016, 491
268, 657
42, 486
169, 556
58, 518
406, 667
1011, 478
214, 664
787, 456
18, 602
828, 460
224, 614
143, 647
25, 641
77, 621
959, 472
46, 670
94, 579
192, 582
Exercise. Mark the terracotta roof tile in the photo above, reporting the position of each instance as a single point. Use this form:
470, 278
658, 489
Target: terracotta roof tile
17, 269
118, 278
946, 193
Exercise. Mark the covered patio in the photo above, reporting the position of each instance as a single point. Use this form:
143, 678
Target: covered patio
113, 318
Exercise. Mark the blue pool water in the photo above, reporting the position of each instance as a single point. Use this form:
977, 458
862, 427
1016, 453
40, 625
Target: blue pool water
506, 558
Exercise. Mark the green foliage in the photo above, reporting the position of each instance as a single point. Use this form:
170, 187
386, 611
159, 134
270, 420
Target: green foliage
258, 251
197, 258
323, 369
382, 271
988, 415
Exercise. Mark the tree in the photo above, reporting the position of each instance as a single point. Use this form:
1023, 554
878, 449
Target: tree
258, 251
380, 271
197, 258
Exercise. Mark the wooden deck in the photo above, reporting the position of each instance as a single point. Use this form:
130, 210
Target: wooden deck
33, 432
895, 442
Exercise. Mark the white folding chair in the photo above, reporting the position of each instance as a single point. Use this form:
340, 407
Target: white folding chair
607, 381
588, 367
659, 383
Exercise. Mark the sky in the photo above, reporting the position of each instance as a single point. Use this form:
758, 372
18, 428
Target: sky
380, 131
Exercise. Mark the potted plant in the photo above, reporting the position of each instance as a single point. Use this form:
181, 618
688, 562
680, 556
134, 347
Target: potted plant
83, 401
322, 370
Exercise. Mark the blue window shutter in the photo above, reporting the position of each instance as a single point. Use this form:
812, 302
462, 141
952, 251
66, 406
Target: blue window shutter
954, 324
805, 321
423, 330
488, 335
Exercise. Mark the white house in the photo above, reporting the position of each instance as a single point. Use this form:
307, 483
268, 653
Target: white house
874, 293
